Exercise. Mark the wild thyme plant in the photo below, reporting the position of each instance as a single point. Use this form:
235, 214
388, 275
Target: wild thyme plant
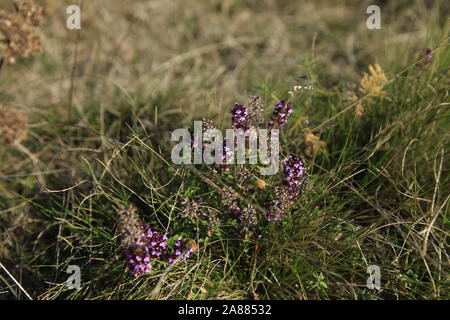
248, 201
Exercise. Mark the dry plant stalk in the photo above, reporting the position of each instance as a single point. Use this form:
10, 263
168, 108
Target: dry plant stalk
13, 129
13, 125
352, 97
129, 225
17, 38
314, 143
374, 82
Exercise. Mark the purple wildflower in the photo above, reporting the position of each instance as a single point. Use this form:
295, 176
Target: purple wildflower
295, 178
428, 55
138, 261
281, 203
240, 117
294, 172
227, 156
182, 251
281, 114
153, 245
248, 220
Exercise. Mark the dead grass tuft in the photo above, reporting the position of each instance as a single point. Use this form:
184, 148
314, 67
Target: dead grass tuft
373, 82
13, 125
17, 37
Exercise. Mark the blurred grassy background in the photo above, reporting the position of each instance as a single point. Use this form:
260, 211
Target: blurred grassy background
205, 55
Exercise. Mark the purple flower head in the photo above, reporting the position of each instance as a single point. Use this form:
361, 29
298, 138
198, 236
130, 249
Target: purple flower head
273, 215
153, 245
428, 54
227, 156
138, 261
281, 114
295, 179
182, 251
240, 117
294, 172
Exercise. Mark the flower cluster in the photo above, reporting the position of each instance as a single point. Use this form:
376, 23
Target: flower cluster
280, 204
138, 261
29, 11
428, 55
129, 225
194, 210
153, 245
295, 179
227, 155
256, 110
374, 82
298, 88
425, 56
148, 245
248, 220
13, 125
294, 172
240, 118
182, 251
17, 38
244, 175
283, 110
229, 199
